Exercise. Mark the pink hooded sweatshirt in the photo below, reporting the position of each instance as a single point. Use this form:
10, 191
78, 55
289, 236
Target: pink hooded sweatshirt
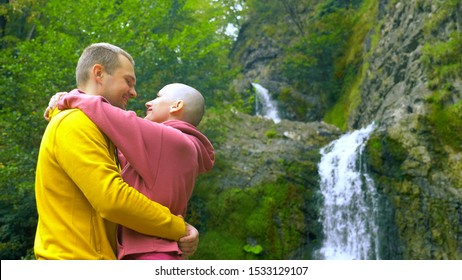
161, 160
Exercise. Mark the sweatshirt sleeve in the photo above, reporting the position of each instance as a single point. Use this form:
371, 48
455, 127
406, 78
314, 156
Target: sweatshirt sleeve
138, 139
82, 150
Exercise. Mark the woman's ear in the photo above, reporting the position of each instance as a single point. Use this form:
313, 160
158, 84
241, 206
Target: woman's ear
177, 106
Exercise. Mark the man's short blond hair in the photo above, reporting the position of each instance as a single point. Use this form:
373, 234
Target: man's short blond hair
100, 53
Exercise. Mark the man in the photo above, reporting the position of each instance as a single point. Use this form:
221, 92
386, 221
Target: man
80, 194
165, 153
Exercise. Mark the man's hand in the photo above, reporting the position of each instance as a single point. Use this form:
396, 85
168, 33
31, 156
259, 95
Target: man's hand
188, 243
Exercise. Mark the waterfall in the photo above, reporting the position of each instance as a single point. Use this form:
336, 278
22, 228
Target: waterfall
268, 107
349, 211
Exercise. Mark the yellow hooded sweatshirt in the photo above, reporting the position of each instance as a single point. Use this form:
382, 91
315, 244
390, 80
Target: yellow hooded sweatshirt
81, 196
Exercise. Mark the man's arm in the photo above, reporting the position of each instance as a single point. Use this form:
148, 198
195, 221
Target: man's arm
82, 151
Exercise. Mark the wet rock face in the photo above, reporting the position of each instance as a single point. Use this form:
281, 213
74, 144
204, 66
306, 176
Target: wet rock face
258, 150
395, 85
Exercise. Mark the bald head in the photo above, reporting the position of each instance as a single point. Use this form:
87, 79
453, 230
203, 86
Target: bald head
177, 101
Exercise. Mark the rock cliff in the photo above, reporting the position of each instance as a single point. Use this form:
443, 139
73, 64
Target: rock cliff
425, 191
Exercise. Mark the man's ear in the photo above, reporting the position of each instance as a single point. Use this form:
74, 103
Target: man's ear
97, 72
177, 106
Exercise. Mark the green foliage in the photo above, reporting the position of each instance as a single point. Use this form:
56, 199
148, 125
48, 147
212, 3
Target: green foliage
270, 134
308, 65
221, 245
270, 215
385, 156
17, 216
243, 101
254, 249
446, 122
442, 59
213, 125
350, 65
310, 60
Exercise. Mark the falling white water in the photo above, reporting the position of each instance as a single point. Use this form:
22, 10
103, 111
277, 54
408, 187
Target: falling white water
267, 106
350, 200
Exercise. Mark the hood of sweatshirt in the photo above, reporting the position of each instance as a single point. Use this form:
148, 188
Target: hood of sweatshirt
206, 156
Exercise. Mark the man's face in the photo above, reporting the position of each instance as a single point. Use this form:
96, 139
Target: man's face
119, 87
158, 110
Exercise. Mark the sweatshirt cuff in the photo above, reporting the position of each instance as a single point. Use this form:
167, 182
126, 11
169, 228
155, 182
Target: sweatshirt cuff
179, 227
